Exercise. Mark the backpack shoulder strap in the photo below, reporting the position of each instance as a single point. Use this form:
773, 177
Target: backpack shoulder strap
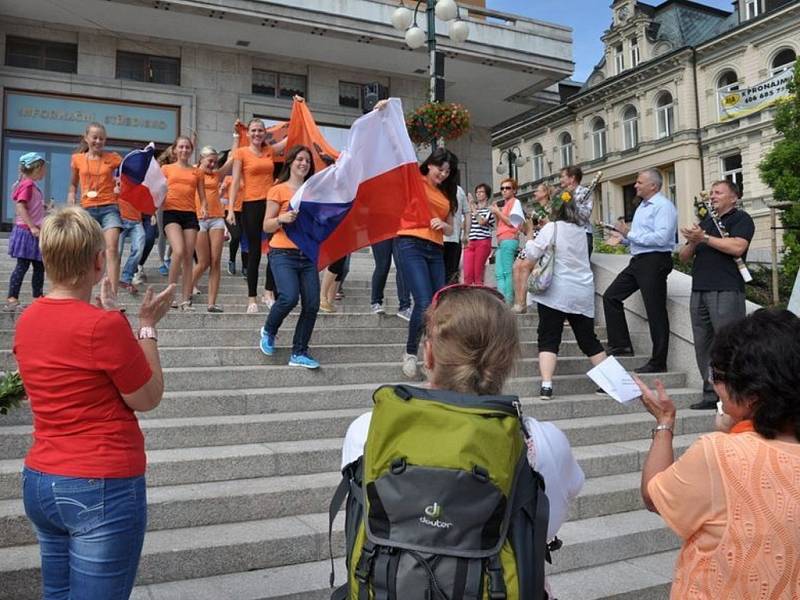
346, 486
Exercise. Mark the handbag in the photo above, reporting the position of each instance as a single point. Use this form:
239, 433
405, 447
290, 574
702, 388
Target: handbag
542, 275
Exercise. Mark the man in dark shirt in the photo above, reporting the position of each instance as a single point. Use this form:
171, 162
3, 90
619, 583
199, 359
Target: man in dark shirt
717, 286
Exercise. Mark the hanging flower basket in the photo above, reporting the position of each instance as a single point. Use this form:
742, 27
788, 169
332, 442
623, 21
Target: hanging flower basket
437, 120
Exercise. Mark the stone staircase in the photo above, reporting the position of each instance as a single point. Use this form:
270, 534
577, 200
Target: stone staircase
244, 452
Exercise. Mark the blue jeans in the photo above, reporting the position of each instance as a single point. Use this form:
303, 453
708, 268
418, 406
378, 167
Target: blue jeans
107, 216
422, 263
383, 252
503, 268
296, 278
90, 533
135, 231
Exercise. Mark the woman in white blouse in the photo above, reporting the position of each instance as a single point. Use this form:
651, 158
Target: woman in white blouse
571, 294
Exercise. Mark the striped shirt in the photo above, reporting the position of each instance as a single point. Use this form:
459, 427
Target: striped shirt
478, 231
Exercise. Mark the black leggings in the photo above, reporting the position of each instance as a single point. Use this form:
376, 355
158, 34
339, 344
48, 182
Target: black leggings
551, 328
18, 275
235, 232
253, 224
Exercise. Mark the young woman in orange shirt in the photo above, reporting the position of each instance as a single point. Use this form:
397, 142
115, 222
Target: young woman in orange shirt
180, 215
295, 275
92, 168
253, 169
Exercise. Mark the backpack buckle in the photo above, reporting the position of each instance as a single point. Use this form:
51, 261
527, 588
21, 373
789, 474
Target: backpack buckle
497, 585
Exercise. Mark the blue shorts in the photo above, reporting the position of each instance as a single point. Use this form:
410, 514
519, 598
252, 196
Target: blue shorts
107, 215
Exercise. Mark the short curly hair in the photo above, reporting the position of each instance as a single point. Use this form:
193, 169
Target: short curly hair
757, 359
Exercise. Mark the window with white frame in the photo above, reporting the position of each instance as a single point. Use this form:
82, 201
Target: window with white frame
630, 127
671, 185
665, 115
753, 8
783, 60
538, 162
728, 81
565, 147
599, 145
732, 170
619, 59
635, 57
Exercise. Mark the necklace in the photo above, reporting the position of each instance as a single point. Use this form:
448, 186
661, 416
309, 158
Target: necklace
93, 181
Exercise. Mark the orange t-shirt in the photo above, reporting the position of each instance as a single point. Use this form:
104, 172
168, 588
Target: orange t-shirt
507, 232
181, 186
96, 176
733, 500
440, 207
257, 173
281, 194
211, 185
128, 212
226, 193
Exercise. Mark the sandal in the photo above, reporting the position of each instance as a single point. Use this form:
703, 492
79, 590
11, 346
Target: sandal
10, 307
186, 306
215, 309
252, 308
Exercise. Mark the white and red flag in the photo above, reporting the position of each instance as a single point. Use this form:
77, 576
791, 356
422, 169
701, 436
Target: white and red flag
142, 184
372, 190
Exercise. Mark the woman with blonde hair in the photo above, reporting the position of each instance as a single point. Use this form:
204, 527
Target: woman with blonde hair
522, 269
92, 170
181, 225
733, 497
83, 480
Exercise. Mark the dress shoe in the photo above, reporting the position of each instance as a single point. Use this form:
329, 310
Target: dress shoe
621, 351
704, 405
650, 368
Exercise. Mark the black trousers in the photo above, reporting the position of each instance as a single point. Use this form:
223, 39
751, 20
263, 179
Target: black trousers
646, 273
235, 232
253, 224
551, 328
452, 258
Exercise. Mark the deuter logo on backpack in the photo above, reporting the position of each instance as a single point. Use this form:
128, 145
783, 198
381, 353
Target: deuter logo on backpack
434, 511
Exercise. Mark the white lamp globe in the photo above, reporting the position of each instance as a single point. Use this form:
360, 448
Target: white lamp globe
500, 169
402, 18
520, 162
458, 31
415, 37
446, 10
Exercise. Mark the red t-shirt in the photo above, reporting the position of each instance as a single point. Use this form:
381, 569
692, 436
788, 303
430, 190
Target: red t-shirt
75, 360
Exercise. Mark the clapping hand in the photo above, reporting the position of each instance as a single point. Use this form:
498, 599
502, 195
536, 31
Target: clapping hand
693, 234
155, 306
106, 299
657, 403
437, 224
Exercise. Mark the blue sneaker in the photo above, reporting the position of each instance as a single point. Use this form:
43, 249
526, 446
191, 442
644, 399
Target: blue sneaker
303, 360
164, 270
267, 344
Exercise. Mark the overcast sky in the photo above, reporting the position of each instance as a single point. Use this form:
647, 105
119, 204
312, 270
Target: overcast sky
588, 19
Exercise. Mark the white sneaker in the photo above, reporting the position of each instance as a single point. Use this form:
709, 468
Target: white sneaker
139, 277
377, 309
405, 314
410, 366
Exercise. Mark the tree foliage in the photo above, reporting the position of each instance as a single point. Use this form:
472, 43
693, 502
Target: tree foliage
780, 170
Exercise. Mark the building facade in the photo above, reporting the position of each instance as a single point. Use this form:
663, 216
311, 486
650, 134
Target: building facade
657, 99
151, 71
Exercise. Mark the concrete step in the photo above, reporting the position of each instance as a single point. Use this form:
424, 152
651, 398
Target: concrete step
187, 553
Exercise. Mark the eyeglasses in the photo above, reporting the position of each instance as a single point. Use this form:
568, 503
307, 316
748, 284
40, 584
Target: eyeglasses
715, 375
505, 187
448, 289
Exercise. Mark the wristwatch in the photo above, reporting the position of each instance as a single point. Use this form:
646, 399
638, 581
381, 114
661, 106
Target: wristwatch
147, 333
661, 427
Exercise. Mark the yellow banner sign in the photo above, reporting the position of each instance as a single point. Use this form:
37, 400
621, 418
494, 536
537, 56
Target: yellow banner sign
735, 104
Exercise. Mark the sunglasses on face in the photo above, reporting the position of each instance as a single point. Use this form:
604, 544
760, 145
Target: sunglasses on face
505, 187
449, 289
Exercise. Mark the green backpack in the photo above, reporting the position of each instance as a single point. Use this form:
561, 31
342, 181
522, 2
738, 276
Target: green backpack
443, 505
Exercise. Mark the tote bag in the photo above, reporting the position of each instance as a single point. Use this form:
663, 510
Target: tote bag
542, 275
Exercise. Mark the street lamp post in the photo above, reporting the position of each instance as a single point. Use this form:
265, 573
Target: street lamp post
514, 159
404, 19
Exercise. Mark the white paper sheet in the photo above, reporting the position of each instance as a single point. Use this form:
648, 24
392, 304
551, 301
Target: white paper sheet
615, 380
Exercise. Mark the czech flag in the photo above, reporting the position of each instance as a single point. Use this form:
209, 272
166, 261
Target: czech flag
142, 184
374, 189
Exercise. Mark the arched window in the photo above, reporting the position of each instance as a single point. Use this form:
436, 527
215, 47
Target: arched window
599, 145
630, 127
538, 161
665, 115
727, 81
783, 60
565, 146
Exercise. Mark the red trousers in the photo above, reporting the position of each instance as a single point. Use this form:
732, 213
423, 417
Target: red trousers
475, 255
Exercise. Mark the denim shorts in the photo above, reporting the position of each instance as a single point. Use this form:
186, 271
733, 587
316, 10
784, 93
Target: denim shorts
212, 223
107, 216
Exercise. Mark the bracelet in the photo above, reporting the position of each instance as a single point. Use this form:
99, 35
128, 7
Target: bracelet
147, 333
658, 428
